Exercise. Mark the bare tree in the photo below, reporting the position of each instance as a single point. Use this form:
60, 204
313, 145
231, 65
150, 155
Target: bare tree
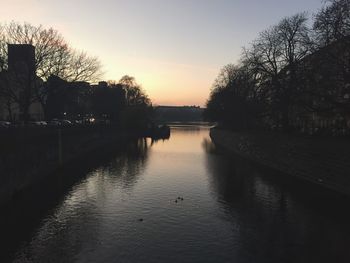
134, 95
235, 100
264, 55
3, 57
332, 22
294, 37
82, 67
274, 55
137, 111
53, 56
280, 46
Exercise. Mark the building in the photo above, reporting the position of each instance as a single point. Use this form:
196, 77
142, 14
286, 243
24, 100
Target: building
178, 113
21, 57
323, 101
19, 85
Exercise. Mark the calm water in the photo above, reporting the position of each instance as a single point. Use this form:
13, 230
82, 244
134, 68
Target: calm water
231, 211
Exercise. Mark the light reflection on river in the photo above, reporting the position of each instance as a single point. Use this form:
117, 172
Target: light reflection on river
230, 212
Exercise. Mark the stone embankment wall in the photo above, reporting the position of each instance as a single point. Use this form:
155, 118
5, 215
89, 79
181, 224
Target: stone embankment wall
29, 155
324, 161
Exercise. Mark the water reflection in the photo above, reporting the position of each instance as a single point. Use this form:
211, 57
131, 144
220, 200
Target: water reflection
124, 171
276, 218
232, 211
208, 146
156, 140
190, 129
77, 218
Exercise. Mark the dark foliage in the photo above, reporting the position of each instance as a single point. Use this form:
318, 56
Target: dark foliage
291, 77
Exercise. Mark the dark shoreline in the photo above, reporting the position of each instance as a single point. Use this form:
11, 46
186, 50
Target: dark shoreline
30, 156
23, 213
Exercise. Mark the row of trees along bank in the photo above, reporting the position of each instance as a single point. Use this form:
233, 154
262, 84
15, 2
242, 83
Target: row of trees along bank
291, 77
58, 78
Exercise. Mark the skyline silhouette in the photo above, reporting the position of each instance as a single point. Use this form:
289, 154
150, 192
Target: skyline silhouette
175, 131
175, 50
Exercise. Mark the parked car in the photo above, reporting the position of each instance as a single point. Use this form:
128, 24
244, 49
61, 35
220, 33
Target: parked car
5, 124
55, 122
41, 123
37, 123
66, 122
78, 122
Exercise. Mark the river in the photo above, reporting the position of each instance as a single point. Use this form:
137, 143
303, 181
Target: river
179, 200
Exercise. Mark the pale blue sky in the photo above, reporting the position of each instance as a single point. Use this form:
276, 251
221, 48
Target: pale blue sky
174, 48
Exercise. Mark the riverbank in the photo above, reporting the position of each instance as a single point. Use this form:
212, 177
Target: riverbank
323, 161
27, 156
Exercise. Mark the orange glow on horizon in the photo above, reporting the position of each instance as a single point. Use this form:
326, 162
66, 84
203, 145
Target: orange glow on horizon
169, 83
175, 51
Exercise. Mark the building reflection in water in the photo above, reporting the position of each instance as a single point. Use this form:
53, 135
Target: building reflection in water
232, 211
77, 217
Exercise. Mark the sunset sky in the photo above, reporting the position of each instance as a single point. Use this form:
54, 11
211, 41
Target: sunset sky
174, 48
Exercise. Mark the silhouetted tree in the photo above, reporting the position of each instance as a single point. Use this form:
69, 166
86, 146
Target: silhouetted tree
138, 109
235, 100
3, 57
53, 56
327, 72
134, 95
289, 74
274, 57
332, 22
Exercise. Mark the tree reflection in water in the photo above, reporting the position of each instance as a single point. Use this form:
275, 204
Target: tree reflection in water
232, 211
83, 188
124, 170
277, 218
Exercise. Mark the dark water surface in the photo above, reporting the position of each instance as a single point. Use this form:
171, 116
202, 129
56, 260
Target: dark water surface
125, 211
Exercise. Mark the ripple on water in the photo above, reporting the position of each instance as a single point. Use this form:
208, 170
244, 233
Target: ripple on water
230, 213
